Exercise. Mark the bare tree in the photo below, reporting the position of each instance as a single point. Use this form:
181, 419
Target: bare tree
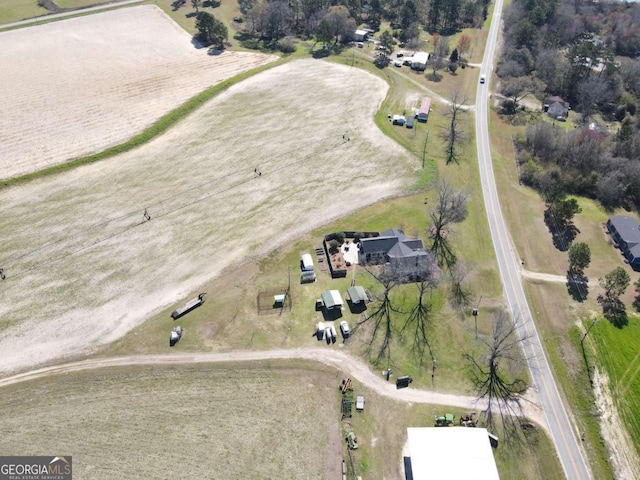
453, 135
492, 370
381, 317
460, 292
418, 321
451, 207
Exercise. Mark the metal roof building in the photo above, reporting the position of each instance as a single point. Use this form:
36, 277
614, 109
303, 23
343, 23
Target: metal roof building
332, 299
357, 294
419, 61
450, 453
624, 230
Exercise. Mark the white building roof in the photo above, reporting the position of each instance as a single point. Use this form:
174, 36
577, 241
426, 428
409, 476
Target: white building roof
362, 32
436, 453
420, 57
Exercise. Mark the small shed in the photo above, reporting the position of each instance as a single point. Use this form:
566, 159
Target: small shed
278, 300
308, 277
332, 300
360, 35
398, 120
357, 294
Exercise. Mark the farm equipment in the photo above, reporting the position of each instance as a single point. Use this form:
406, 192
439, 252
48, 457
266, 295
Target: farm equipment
352, 441
334, 335
319, 333
469, 420
347, 398
403, 382
446, 421
187, 307
175, 336
346, 385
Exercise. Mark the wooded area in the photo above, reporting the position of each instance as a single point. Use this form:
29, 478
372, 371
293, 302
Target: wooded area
585, 53
336, 21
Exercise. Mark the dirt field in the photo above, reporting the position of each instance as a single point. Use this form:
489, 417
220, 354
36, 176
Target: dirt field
83, 268
77, 86
181, 422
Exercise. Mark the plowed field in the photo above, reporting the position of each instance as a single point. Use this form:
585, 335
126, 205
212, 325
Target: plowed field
74, 87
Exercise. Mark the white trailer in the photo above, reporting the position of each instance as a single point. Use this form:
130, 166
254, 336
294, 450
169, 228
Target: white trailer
306, 263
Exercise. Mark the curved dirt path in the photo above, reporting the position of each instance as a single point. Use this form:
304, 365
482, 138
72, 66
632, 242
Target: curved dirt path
337, 359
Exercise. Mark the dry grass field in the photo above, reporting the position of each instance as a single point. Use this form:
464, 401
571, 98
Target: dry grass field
182, 420
80, 85
202, 421
83, 268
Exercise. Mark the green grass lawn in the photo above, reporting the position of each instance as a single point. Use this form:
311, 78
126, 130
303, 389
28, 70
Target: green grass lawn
16, 10
79, 3
617, 351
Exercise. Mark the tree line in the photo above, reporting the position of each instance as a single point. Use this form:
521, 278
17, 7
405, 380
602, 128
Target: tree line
335, 21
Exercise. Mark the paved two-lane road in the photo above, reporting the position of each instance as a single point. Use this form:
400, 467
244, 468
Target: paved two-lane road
563, 431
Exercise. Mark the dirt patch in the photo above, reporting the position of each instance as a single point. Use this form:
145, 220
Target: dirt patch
83, 84
208, 330
94, 268
624, 460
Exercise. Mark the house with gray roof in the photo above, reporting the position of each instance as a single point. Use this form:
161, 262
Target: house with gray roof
626, 234
557, 107
393, 247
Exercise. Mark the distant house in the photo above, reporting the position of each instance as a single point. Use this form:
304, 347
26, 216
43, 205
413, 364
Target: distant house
419, 61
393, 247
557, 108
360, 35
626, 234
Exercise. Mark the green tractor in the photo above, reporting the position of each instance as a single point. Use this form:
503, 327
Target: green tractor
445, 421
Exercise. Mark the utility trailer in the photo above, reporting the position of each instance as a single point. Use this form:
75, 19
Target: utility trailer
187, 307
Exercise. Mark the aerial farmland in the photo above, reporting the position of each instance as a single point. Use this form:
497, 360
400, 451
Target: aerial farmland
82, 265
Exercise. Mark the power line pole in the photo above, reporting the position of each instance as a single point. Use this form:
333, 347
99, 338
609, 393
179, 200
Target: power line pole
474, 312
588, 330
424, 149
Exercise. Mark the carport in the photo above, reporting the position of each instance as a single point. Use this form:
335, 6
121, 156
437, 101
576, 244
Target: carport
332, 300
357, 294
